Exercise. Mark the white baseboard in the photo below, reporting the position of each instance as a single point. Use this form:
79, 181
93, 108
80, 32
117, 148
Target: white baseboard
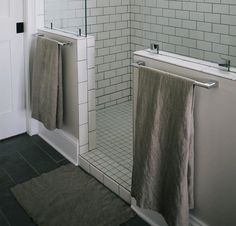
64, 143
33, 127
155, 219
196, 222
151, 217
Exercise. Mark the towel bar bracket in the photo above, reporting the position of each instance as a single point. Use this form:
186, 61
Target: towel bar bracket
140, 63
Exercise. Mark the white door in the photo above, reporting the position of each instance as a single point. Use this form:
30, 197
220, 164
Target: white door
12, 88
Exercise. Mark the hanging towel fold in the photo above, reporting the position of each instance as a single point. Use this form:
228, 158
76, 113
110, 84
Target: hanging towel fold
47, 92
163, 148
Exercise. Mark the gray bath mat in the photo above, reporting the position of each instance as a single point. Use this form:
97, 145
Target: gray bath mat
68, 196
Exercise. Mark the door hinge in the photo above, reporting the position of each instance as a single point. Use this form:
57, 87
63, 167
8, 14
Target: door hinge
20, 27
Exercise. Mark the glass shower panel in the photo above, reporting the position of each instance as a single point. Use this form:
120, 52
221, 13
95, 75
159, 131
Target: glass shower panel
196, 29
66, 15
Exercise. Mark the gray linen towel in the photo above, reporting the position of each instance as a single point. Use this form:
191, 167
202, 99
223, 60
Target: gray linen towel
47, 91
163, 148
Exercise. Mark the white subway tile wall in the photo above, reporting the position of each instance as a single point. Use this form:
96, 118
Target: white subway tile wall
91, 93
86, 94
109, 21
204, 29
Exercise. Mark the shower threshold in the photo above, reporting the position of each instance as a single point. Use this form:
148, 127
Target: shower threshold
114, 153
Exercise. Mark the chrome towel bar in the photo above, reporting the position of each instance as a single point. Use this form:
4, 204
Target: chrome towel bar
207, 85
59, 43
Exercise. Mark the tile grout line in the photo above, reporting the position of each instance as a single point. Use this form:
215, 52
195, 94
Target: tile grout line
27, 162
4, 217
4, 170
45, 152
60, 161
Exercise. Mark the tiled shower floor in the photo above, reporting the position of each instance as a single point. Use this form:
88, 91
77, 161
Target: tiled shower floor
113, 155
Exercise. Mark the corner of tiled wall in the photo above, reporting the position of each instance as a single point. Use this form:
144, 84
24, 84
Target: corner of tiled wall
86, 94
91, 92
82, 95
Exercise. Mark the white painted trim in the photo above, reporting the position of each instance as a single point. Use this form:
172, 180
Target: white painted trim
30, 28
153, 221
194, 221
65, 144
190, 63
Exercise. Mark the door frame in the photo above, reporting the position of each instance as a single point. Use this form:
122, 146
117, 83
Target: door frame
33, 20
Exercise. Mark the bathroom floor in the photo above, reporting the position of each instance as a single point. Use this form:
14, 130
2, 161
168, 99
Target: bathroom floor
113, 155
22, 158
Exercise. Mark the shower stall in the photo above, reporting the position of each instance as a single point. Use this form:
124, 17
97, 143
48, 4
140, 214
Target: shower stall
110, 24
202, 30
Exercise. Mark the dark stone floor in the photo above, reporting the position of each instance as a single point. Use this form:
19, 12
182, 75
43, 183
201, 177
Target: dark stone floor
21, 159
135, 221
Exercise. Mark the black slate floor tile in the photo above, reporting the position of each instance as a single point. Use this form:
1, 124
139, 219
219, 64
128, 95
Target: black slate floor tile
17, 168
22, 159
37, 159
4, 143
14, 213
63, 162
135, 221
4, 160
5, 181
18, 143
3, 220
47, 148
